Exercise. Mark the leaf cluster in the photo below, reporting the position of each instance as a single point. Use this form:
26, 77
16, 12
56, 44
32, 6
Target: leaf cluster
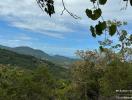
47, 6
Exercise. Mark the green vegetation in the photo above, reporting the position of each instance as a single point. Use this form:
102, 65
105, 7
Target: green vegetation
12, 58
97, 76
29, 62
20, 84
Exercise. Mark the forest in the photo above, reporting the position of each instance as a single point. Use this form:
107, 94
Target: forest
96, 76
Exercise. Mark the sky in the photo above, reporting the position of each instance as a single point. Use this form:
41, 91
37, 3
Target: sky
22, 23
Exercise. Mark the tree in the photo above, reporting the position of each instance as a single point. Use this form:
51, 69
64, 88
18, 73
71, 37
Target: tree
123, 46
22, 84
47, 6
93, 13
117, 76
86, 75
100, 74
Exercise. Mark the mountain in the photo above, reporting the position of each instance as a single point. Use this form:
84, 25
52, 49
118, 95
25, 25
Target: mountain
30, 51
12, 58
57, 59
5, 47
8, 57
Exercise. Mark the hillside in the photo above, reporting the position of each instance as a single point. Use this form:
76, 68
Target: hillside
57, 59
30, 62
9, 57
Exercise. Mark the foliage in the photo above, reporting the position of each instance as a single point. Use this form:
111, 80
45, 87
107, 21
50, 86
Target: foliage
20, 84
85, 77
47, 6
93, 13
100, 74
124, 40
117, 76
97, 75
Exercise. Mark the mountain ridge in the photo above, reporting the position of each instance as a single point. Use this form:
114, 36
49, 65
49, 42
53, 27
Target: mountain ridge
8, 57
57, 59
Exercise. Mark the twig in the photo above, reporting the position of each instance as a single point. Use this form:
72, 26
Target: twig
40, 5
71, 14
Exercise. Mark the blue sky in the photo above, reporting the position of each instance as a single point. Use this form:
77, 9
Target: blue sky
22, 23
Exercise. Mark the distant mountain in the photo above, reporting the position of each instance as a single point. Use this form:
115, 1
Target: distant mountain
5, 47
57, 59
30, 51
12, 58
8, 57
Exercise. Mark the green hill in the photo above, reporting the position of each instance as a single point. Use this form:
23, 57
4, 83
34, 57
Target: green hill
12, 58
30, 62
57, 59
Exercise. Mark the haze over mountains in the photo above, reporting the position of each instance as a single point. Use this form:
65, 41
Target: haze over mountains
57, 59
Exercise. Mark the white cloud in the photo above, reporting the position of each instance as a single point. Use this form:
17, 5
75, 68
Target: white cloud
15, 42
26, 14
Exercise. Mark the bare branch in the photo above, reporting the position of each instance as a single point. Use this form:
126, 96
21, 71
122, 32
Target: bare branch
40, 5
71, 14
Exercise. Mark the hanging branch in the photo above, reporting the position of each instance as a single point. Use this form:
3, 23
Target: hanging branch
71, 14
46, 6
126, 5
39, 4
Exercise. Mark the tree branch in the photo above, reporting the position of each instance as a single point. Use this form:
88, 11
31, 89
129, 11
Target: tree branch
71, 14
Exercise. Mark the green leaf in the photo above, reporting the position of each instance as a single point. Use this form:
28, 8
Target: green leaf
124, 33
93, 1
98, 29
121, 38
131, 2
92, 31
112, 29
89, 13
103, 25
47, 5
96, 14
102, 2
